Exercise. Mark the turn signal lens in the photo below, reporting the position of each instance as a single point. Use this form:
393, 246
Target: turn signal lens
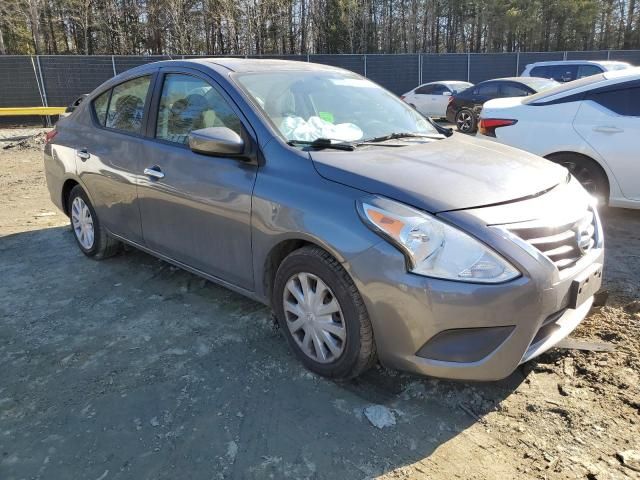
487, 126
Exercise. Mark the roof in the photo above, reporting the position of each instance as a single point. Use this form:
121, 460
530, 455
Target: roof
621, 74
262, 64
577, 62
524, 80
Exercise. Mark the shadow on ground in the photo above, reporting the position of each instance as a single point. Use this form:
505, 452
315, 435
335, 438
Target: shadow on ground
131, 368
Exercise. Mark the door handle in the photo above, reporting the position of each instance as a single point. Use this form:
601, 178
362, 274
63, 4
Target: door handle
607, 129
83, 154
154, 172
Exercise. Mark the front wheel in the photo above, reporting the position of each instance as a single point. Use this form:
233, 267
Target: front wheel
587, 172
466, 121
322, 315
90, 236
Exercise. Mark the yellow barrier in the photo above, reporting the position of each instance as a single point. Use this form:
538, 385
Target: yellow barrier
10, 112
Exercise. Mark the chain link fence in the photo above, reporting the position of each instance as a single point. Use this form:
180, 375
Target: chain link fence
56, 80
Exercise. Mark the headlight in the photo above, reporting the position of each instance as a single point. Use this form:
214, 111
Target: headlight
433, 248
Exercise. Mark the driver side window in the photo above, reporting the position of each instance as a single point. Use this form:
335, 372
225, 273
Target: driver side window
189, 103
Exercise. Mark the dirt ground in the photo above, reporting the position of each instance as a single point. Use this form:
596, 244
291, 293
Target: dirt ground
132, 369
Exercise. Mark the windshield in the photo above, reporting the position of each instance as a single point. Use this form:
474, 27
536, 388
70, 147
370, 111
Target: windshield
312, 105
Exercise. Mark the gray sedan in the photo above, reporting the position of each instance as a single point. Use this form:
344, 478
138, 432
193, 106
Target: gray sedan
372, 233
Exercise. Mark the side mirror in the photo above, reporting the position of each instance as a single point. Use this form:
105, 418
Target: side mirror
446, 94
216, 141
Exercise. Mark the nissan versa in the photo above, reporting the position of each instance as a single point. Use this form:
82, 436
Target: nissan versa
371, 232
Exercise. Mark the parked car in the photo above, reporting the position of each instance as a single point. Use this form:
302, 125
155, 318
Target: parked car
463, 109
591, 126
431, 99
370, 231
569, 70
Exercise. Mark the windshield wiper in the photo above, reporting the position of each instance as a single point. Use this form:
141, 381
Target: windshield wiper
396, 135
323, 143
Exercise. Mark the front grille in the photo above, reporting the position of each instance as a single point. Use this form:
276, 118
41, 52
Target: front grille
565, 243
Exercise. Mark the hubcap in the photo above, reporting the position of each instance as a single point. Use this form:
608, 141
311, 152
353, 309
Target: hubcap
82, 223
314, 317
464, 121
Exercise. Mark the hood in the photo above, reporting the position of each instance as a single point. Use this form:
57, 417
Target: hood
455, 173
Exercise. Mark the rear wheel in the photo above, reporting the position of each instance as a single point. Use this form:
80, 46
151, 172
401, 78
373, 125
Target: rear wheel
587, 172
90, 236
466, 121
322, 315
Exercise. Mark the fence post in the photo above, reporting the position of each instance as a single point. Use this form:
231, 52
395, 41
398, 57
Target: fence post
308, 58
113, 65
518, 63
44, 89
365, 65
419, 69
608, 54
35, 74
565, 56
468, 67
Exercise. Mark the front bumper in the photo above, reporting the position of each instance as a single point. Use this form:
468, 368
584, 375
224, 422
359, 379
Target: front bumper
507, 324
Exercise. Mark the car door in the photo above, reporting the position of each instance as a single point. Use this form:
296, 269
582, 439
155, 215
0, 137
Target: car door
482, 93
195, 208
609, 120
439, 100
109, 154
422, 99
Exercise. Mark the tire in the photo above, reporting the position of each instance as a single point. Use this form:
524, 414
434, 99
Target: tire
351, 324
466, 121
587, 172
101, 245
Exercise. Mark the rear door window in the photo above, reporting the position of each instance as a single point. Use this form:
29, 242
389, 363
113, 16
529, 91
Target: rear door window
488, 90
564, 73
542, 72
588, 70
126, 107
513, 90
623, 101
189, 103
100, 105
440, 89
425, 90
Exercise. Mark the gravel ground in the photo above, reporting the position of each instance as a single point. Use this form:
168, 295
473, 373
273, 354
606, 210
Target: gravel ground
133, 369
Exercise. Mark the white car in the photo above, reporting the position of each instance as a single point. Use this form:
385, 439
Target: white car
569, 70
591, 126
431, 99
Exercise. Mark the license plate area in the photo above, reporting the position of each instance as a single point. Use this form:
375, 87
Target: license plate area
585, 285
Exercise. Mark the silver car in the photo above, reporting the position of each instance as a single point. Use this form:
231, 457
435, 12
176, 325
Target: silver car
372, 233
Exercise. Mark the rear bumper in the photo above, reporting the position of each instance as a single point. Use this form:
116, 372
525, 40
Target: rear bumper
491, 329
